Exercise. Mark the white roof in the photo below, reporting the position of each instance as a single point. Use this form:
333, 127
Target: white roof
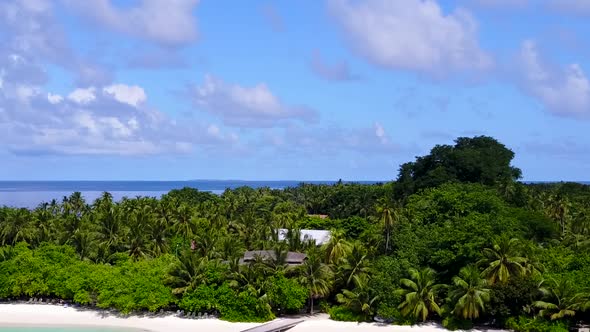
319, 236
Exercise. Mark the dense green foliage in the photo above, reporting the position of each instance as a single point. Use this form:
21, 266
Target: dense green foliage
454, 239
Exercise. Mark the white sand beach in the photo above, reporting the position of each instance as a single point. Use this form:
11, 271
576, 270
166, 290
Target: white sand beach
52, 315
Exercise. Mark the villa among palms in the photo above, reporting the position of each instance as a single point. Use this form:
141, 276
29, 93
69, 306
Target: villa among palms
291, 259
319, 236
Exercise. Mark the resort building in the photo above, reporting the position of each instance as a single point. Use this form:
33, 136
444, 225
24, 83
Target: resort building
319, 236
293, 258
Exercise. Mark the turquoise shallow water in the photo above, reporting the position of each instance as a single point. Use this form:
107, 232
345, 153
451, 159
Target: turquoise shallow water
63, 329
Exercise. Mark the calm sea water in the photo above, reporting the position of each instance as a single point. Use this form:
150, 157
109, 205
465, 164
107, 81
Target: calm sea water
30, 193
64, 329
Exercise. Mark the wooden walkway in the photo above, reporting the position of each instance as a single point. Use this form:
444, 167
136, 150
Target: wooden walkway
278, 325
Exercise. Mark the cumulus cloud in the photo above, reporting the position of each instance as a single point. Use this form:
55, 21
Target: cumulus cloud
31, 32
331, 72
113, 119
562, 91
411, 35
246, 106
132, 95
29, 29
82, 96
168, 22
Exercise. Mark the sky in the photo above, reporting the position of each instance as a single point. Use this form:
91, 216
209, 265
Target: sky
288, 90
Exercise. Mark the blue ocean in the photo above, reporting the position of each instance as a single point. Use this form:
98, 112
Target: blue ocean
30, 194
64, 329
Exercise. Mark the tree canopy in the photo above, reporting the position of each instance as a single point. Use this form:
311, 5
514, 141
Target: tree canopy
455, 239
479, 159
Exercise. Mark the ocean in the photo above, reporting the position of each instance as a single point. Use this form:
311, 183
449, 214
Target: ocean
29, 194
64, 329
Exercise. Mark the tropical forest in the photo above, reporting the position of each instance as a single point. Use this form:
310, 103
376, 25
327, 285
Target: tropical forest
455, 239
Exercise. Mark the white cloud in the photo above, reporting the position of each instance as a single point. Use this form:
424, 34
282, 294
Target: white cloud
250, 106
562, 91
380, 133
24, 92
132, 95
213, 130
411, 35
106, 120
83, 96
32, 33
169, 22
54, 98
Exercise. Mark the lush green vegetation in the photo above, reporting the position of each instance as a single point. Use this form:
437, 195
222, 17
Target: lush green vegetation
455, 239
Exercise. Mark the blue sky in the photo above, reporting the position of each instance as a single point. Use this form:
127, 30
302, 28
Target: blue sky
305, 90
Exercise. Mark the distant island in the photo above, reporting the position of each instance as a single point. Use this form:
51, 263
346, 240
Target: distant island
455, 240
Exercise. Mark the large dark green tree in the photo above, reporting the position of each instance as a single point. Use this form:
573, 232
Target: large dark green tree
479, 159
187, 248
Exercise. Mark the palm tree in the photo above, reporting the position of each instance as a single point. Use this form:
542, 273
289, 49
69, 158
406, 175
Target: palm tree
503, 261
360, 300
16, 226
469, 293
43, 220
231, 247
140, 218
184, 224
316, 277
278, 262
337, 247
389, 215
419, 293
558, 208
189, 272
83, 242
354, 264
560, 299
294, 239
252, 275
107, 217
532, 265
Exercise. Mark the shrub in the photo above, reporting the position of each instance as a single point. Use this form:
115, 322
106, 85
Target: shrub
200, 299
241, 306
286, 294
454, 323
343, 314
527, 324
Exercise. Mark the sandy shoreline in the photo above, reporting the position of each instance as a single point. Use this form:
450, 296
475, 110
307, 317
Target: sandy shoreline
52, 315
